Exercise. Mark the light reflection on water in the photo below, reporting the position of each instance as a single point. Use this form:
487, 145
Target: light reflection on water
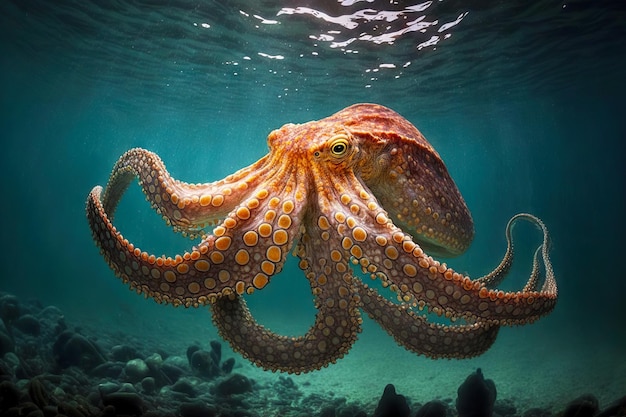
378, 26
184, 54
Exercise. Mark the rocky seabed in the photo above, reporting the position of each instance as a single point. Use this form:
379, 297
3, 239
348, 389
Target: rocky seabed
48, 368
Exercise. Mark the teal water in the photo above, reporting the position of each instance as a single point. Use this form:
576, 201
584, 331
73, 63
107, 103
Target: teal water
525, 104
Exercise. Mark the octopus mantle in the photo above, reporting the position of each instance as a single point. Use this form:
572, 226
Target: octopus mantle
361, 190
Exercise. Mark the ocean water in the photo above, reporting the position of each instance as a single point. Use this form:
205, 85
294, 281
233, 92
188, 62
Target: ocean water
524, 102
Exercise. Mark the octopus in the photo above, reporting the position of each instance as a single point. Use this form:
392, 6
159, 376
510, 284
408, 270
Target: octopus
363, 201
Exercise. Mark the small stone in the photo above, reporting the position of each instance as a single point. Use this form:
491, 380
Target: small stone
228, 365
177, 361
28, 324
108, 370
148, 385
235, 384
154, 362
136, 370
184, 387
203, 365
6, 344
108, 387
74, 349
127, 387
123, 353
9, 308
172, 372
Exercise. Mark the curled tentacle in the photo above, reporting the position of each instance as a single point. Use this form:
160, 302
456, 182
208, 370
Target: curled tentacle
496, 276
188, 208
242, 254
336, 324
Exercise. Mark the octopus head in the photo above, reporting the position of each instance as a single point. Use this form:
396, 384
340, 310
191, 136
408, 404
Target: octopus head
385, 153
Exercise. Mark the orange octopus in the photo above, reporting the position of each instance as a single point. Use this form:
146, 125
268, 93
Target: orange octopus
361, 190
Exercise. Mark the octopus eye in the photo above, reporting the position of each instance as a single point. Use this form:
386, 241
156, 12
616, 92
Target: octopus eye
339, 146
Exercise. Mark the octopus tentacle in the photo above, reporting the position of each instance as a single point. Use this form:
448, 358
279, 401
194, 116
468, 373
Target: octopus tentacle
362, 186
242, 254
336, 326
496, 276
418, 335
188, 208
409, 329
399, 261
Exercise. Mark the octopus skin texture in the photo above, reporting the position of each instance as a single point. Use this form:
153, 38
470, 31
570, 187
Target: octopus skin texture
358, 195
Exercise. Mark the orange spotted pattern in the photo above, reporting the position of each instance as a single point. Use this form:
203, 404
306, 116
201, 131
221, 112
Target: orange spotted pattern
358, 195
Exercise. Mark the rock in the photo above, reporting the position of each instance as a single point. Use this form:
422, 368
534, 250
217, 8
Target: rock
28, 324
190, 351
583, 406
154, 362
177, 361
136, 370
203, 365
228, 365
127, 387
235, 384
216, 351
172, 372
392, 404
123, 353
124, 403
6, 343
476, 396
184, 387
108, 388
148, 385
74, 349
433, 408
197, 409
9, 309
9, 395
108, 370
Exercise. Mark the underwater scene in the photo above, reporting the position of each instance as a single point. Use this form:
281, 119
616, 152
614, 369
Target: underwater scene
313, 208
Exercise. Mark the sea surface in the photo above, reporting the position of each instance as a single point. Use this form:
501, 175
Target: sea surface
524, 101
